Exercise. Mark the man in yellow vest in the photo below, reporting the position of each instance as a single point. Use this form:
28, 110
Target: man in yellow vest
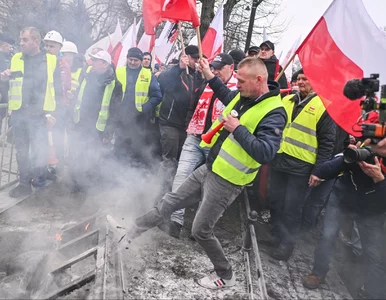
33, 80
236, 153
91, 117
308, 141
134, 114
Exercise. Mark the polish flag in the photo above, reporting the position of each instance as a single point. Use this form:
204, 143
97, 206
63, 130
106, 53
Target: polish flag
128, 41
344, 44
290, 53
146, 43
212, 43
164, 43
115, 37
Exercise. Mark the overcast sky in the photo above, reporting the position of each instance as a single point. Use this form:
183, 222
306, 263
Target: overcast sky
305, 13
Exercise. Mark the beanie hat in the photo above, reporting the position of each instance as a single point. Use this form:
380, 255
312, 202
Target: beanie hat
135, 52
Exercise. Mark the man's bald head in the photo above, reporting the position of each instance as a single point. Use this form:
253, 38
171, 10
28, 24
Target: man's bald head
252, 77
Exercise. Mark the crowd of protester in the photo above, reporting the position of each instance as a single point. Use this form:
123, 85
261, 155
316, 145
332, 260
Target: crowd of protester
146, 115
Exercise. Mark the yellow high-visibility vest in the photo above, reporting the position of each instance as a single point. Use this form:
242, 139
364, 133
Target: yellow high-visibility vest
105, 105
299, 137
15, 94
141, 86
233, 163
75, 80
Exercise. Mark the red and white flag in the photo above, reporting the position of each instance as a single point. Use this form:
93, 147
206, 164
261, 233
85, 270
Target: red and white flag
115, 37
164, 43
290, 53
146, 43
212, 43
128, 41
344, 44
156, 11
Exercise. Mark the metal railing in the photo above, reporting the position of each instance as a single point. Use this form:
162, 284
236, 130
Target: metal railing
9, 172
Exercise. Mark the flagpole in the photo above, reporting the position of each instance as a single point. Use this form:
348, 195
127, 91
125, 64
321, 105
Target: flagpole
199, 45
286, 66
182, 43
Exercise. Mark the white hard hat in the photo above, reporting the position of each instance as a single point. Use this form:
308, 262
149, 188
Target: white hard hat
54, 36
69, 47
103, 55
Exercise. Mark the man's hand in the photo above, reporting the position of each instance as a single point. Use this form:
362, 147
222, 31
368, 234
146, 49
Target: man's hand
230, 123
184, 61
314, 181
5, 75
379, 148
204, 68
372, 170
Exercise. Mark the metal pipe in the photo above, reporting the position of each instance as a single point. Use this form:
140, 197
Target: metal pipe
251, 22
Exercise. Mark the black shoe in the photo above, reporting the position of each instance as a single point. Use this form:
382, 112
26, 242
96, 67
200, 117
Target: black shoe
192, 238
20, 191
175, 229
282, 252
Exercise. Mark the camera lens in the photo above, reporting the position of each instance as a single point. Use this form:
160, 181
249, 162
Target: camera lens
354, 155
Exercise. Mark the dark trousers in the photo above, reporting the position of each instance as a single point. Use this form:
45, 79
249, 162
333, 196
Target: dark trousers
316, 199
172, 140
373, 238
287, 196
31, 143
62, 116
86, 152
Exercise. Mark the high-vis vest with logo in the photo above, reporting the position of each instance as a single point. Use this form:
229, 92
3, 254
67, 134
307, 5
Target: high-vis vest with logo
141, 86
16, 85
103, 113
75, 80
233, 163
299, 137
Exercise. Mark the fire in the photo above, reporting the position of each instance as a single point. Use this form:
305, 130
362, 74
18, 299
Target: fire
58, 237
86, 228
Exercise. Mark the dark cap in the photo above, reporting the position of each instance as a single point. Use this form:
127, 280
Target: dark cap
254, 49
7, 39
237, 55
221, 60
192, 51
269, 44
135, 52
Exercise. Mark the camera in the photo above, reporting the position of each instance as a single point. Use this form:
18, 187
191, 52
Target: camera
367, 87
351, 155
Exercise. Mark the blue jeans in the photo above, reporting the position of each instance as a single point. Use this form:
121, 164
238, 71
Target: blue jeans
373, 239
192, 156
31, 142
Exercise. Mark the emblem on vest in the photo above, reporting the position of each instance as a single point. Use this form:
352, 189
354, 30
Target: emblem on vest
143, 78
311, 110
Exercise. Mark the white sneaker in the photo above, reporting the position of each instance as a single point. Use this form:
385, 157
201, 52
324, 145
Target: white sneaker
215, 282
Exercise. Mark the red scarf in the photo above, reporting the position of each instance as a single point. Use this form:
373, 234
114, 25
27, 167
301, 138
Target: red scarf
197, 123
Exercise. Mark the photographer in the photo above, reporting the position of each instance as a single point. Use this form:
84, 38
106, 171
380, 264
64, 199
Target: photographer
360, 192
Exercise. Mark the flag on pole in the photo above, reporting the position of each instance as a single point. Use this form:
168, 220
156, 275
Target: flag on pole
115, 37
337, 50
213, 40
156, 11
128, 41
165, 41
146, 43
290, 53
265, 35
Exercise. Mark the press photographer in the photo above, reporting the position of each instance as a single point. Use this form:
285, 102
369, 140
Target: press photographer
360, 192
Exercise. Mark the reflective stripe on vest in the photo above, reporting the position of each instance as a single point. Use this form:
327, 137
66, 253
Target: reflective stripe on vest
75, 80
141, 86
233, 163
299, 137
104, 111
15, 94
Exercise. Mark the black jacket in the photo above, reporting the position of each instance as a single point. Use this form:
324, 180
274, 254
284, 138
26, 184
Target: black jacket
263, 144
355, 190
92, 100
179, 92
325, 133
270, 64
5, 60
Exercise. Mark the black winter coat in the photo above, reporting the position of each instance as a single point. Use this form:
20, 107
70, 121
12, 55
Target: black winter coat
270, 64
179, 93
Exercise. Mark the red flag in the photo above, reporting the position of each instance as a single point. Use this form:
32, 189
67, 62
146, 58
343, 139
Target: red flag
156, 11
336, 51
